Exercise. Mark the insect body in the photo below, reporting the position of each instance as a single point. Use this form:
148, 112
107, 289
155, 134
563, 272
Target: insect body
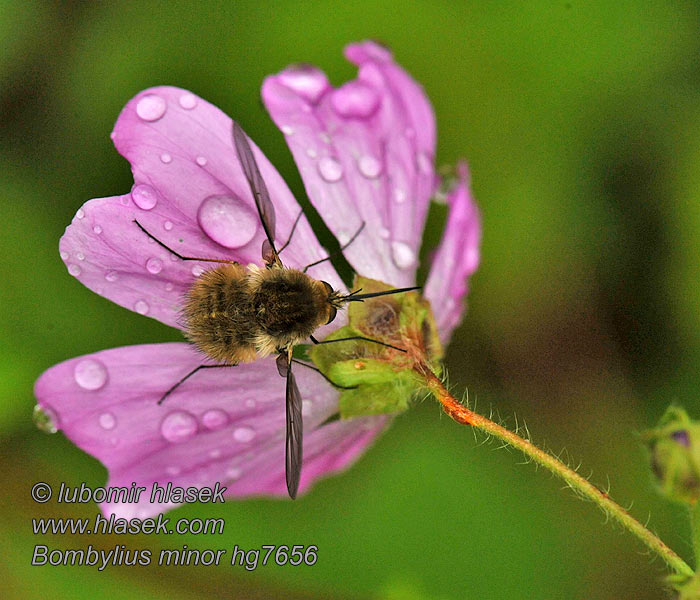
237, 314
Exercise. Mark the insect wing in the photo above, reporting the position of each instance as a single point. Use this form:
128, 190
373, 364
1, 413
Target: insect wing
266, 210
294, 434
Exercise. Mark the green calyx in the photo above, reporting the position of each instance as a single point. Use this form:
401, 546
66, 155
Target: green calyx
675, 455
383, 378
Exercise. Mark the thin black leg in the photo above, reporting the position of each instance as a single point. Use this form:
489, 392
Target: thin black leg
356, 337
291, 233
350, 241
322, 374
186, 377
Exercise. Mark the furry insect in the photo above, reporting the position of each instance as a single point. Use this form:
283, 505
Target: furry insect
236, 314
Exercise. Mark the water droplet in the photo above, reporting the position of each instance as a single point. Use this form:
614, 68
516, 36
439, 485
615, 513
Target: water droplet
178, 426
166, 158
80, 214
399, 196
97, 229
404, 257
80, 256
154, 265
168, 225
169, 287
287, 130
425, 163
330, 169
45, 419
233, 473
151, 107
188, 101
311, 153
243, 434
173, 471
141, 307
74, 270
201, 161
174, 258
369, 166
343, 237
215, 453
197, 270
384, 233
250, 403
228, 220
306, 80
107, 420
144, 196
215, 419
355, 100
90, 374
64, 255
111, 275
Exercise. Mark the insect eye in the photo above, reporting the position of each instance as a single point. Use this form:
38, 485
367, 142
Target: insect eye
328, 287
331, 314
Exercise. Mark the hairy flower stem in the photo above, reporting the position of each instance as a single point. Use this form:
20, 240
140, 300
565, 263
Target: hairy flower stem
463, 415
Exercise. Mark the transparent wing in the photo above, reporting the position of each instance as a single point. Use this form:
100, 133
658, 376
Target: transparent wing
295, 433
266, 210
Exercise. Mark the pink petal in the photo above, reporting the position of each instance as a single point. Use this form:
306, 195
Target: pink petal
365, 152
222, 425
456, 258
181, 152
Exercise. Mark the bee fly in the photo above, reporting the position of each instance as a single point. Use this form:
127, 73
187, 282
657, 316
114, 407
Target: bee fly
236, 314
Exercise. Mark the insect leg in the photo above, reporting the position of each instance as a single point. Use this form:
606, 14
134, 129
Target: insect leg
356, 337
322, 374
186, 377
350, 241
291, 233
157, 241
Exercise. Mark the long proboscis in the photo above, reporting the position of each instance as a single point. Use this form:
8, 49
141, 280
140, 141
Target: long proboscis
355, 297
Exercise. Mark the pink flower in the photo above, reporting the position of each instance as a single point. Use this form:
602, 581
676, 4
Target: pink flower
365, 152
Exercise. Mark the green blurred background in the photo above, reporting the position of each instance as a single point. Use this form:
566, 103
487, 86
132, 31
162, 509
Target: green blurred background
581, 124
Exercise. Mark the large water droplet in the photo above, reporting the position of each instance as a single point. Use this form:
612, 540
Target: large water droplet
111, 276
74, 270
178, 426
165, 158
330, 169
404, 257
45, 419
141, 307
151, 107
90, 374
355, 100
227, 220
188, 101
306, 80
144, 196
243, 434
369, 166
215, 419
154, 265
107, 420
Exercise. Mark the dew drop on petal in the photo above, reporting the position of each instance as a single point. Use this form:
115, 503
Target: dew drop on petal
141, 307
165, 158
107, 420
90, 374
243, 434
188, 101
168, 225
311, 153
369, 166
80, 214
97, 229
384, 233
425, 164
74, 270
150, 107
169, 287
154, 265
306, 80
215, 419
64, 255
233, 473
330, 169
80, 256
201, 161
45, 419
197, 270
343, 237
178, 426
227, 220
404, 257
144, 196
287, 130
399, 196
111, 276
355, 100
